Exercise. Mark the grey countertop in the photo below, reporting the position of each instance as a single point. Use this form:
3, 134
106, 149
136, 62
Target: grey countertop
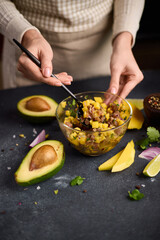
104, 210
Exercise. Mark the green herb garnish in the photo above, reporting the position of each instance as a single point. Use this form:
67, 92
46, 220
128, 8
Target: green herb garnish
73, 102
77, 181
143, 143
153, 135
135, 195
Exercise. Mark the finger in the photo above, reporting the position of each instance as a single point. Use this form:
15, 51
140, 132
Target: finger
114, 82
31, 71
64, 77
46, 63
131, 83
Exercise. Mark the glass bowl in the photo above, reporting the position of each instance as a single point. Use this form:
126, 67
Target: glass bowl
93, 142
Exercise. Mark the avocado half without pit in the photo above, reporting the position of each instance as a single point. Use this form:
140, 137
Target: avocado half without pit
37, 108
152, 108
42, 162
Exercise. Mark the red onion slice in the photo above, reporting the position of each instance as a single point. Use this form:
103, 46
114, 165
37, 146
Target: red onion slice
38, 139
150, 153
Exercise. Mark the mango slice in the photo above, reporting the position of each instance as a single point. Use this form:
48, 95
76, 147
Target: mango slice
110, 162
138, 102
137, 119
126, 158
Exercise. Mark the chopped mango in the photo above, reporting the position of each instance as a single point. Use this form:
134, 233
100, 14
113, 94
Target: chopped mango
110, 162
97, 105
126, 158
98, 99
68, 113
103, 105
95, 124
107, 116
63, 104
137, 119
137, 102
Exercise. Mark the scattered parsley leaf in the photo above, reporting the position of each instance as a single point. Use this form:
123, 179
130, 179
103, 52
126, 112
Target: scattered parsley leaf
77, 181
143, 143
135, 195
153, 134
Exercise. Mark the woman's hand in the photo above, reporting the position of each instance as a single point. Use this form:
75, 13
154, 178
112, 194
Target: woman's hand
40, 48
125, 73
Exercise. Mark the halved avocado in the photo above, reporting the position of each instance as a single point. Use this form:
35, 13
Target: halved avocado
37, 108
42, 162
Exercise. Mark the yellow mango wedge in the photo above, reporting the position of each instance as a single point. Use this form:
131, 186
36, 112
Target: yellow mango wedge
126, 158
138, 102
110, 162
137, 119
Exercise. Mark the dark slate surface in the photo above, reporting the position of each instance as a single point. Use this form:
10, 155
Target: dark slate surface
104, 211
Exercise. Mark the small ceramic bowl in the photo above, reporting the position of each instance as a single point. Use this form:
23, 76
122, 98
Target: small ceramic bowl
152, 108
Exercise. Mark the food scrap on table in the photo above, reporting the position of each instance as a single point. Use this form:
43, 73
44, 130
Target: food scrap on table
135, 195
38, 139
56, 191
77, 181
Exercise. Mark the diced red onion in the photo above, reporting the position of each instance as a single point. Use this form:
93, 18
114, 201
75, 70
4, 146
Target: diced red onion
38, 139
150, 153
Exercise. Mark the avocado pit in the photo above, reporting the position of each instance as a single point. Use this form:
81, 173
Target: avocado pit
44, 156
37, 104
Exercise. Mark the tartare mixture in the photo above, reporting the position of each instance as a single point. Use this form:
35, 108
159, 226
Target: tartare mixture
95, 130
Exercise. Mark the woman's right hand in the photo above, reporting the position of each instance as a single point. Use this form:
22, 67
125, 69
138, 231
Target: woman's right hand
40, 48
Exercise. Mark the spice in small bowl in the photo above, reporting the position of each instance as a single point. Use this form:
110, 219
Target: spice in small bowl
152, 108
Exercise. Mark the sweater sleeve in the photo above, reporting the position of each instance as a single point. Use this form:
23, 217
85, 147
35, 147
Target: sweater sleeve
127, 15
12, 22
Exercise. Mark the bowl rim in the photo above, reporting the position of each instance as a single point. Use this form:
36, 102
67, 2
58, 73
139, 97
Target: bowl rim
101, 131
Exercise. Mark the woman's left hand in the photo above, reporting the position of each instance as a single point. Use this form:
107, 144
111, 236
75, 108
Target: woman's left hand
125, 73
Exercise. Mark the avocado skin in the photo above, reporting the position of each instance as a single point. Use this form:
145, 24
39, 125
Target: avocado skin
44, 177
38, 119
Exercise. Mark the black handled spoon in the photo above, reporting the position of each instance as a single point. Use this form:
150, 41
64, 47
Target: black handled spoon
38, 63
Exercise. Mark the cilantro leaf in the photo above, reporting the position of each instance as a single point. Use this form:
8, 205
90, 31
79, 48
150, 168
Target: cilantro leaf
153, 134
143, 143
135, 195
77, 181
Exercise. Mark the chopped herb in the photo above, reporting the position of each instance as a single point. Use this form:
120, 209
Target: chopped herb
143, 143
77, 181
86, 97
153, 134
72, 113
125, 117
112, 135
117, 105
135, 195
74, 137
73, 102
87, 139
